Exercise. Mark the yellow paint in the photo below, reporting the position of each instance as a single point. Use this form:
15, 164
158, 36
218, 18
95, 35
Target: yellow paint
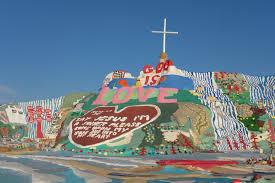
138, 83
212, 98
195, 93
199, 89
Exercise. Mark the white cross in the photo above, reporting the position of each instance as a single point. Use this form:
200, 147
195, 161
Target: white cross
164, 32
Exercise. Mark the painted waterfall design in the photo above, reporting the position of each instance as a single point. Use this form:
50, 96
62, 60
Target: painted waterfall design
262, 92
224, 116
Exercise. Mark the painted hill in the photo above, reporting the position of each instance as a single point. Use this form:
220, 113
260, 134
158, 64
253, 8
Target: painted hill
165, 110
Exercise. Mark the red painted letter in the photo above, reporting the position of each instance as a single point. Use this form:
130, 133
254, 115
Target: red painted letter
147, 69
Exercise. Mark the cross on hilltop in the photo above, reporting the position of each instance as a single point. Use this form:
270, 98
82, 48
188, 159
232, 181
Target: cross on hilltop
164, 32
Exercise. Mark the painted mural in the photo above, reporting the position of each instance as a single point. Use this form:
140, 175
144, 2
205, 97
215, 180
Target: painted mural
214, 111
163, 121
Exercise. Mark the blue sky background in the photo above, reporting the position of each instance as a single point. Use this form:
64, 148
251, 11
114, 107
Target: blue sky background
52, 48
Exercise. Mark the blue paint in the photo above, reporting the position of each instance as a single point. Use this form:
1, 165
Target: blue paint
70, 177
158, 181
179, 82
40, 167
210, 180
10, 176
115, 82
172, 170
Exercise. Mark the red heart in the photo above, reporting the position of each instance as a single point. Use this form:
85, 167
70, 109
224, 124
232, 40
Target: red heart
105, 123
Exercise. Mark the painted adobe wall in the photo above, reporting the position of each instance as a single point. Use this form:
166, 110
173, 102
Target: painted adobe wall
26, 124
165, 110
219, 111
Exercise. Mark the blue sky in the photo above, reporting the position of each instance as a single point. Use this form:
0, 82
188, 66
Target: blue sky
52, 48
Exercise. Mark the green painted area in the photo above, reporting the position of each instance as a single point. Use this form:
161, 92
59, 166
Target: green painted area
243, 98
9, 127
71, 116
251, 123
14, 129
187, 96
70, 99
207, 140
149, 138
265, 117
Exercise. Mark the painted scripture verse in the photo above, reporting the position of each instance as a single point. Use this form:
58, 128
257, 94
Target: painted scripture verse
105, 123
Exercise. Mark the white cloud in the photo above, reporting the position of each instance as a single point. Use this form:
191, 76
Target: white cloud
7, 94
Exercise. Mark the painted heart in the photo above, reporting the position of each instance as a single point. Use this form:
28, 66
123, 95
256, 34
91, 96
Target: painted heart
104, 124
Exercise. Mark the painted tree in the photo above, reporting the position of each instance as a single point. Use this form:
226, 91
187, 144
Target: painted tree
253, 139
244, 145
229, 144
185, 141
235, 143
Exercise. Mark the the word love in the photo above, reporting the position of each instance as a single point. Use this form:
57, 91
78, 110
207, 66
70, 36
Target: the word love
124, 94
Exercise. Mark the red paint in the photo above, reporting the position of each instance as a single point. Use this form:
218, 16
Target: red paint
48, 115
148, 69
152, 80
147, 78
187, 142
39, 133
39, 111
159, 68
223, 74
237, 181
205, 164
162, 79
229, 87
236, 145
229, 144
103, 124
242, 141
163, 66
216, 75
142, 151
271, 130
173, 150
254, 138
167, 64
30, 114
155, 80
123, 83
236, 88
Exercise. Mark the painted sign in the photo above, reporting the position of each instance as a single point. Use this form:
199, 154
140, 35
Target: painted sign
143, 95
104, 124
40, 114
153, 76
